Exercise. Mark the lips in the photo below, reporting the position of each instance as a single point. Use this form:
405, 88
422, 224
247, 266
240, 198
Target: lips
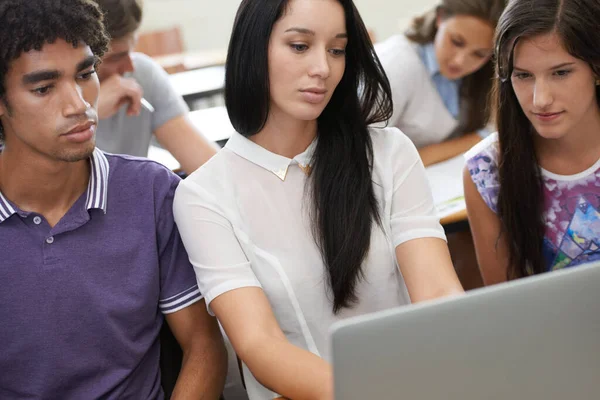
81, 128
548, 117
315, 90
81, 133
313, 95
454, 71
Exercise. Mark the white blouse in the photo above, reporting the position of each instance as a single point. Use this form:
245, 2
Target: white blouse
243, 217
419, 110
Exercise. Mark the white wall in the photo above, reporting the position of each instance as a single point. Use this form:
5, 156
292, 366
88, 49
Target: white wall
206, 24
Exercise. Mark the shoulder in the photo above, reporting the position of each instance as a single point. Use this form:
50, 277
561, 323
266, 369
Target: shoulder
147, 72
482, 164
398, 53
141, 174
143, 63
487, 151
211, 180
393, 152
391, 141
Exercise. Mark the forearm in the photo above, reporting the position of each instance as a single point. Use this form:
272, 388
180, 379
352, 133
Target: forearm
193, 154
290, 371
202, 374
439, 152
185, 143
427, 269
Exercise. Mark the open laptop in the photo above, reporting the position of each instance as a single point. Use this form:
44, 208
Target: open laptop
537, 338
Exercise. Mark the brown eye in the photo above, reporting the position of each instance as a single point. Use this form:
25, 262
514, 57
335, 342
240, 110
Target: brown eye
521, 75
338, 52
42, 90
299, 48
87, 75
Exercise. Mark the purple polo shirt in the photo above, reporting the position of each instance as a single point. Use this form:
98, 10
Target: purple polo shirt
82, 304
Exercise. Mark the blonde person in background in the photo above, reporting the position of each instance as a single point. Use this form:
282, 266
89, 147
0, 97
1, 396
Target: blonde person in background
440, 73
308, 216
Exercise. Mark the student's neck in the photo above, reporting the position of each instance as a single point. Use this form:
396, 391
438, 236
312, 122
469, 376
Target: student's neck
285, 136
576, 151
36, 184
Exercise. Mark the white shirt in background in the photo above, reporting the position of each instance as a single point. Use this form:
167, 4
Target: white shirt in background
243, 217
419, 110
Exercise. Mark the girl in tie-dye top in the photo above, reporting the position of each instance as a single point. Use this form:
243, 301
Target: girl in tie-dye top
571, 211
533, 189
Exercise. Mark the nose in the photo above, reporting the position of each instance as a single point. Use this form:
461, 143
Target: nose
542, 95
319, 66
74, 103
460, 59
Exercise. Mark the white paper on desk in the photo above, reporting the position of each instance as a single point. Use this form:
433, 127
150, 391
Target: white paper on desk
445, 179
163, 156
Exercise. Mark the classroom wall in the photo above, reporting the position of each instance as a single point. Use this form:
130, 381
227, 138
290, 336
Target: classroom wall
206, 25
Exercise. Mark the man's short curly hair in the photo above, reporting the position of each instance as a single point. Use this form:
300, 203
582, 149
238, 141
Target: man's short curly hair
29, 24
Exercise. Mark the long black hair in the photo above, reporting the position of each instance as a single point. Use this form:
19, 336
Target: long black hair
344, 206
520, 201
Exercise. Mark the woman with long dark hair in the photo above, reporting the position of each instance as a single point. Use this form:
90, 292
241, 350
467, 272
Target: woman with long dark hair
441, 74
533, 190
307, 216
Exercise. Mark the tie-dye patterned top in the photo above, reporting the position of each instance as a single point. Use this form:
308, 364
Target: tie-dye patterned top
571, 206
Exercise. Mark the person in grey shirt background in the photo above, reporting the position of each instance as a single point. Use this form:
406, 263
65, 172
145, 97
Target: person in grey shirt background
127, 77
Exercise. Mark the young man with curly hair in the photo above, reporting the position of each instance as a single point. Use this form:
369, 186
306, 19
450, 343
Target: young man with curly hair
125, 77
92, 262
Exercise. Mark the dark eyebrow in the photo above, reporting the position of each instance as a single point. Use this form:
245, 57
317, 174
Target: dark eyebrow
555, 67
301, 30
567, 64
40, 76
459, 37
305, 31
86, 63
52, 75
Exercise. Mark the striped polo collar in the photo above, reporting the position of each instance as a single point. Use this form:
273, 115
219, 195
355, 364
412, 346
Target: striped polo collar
97, 190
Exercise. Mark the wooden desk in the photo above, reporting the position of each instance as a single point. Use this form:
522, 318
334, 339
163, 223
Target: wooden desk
454, 223
199, 83
459, 216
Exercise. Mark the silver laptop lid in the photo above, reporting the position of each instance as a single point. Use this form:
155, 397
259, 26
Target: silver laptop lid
535, 338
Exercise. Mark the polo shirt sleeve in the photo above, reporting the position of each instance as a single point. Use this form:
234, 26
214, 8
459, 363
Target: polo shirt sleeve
158, 90
178, 287
215, 252
413, 214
